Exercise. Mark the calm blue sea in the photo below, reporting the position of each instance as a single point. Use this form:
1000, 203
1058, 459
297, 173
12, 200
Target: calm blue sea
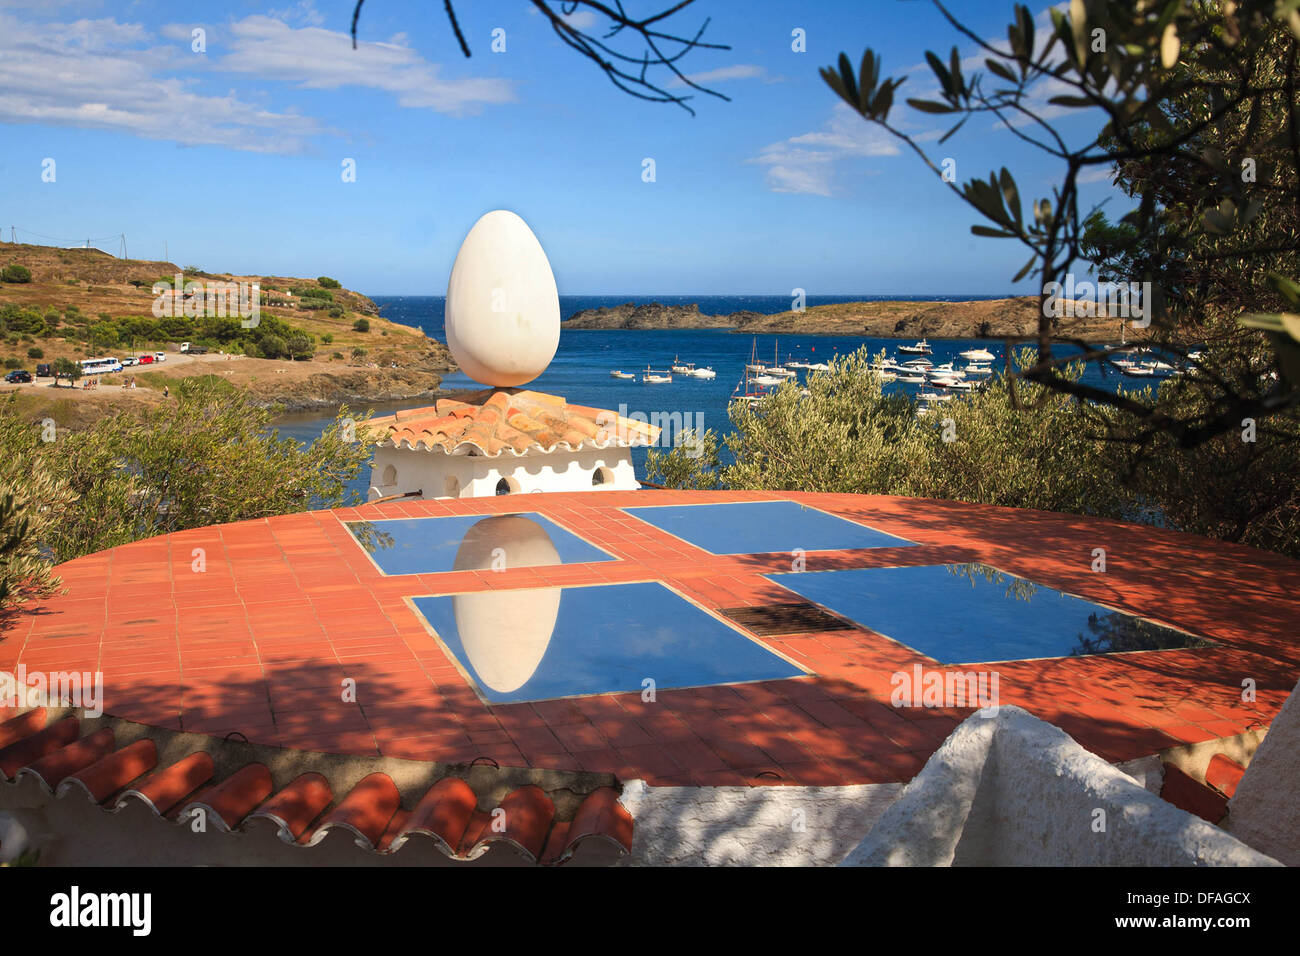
581, 367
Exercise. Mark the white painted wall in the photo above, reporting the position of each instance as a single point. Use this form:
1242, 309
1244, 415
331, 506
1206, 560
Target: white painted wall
1012, 790
750, 826
440, 475
1265, 810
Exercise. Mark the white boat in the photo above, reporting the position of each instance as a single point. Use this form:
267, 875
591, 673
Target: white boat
917, 365
956, 383
651, 377
920, 348
683, 368
887, 376
978, 370
947, 370
1159, 366
1194, 356
1137, 371
619, 374
768, 381
819, 367
908, 379
779, 371
934, 397
704, 373
977, 355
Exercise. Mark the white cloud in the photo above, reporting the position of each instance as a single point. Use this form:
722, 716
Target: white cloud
104, 74
99, 74
314, 58
739, 71
806, 163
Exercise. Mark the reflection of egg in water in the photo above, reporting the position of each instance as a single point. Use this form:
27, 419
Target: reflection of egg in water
503, 310
505, 634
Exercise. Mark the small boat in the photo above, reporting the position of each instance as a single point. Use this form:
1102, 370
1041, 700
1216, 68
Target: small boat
779, 371
919, 365
767, 380
651, 377
819, 367
908, 379
934, 397
683, 368
946, 369
920, 348
704, 373
620, 374
1137, 371
956, 383
973, 369
1159, 366
977, 355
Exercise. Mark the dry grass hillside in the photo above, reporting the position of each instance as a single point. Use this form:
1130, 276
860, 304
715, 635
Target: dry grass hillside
82, 302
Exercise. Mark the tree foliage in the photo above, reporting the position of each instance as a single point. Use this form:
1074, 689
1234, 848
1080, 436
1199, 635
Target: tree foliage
1166, 80
209, 457
1031, 448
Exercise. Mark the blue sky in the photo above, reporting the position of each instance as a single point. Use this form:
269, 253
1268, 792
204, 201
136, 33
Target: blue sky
232, 157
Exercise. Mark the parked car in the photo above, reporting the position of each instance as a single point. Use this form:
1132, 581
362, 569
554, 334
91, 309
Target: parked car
129, 361
45, 370
146, 359
160, 356
19, 375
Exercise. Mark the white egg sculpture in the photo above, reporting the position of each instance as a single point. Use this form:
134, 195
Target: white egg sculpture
503, 310
506, 633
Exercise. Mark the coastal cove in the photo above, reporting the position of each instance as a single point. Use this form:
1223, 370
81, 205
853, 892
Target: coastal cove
580, 371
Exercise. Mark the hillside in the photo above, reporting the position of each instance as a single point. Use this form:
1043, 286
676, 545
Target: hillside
991, 318
82, 302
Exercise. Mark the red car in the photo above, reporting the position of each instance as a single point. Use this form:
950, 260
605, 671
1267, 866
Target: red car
146, 359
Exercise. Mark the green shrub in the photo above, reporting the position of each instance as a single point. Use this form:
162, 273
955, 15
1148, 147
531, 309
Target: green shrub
274, 347
329, 283
16, 273
336, 355
361, 325
35, 353
327, 338
13, 363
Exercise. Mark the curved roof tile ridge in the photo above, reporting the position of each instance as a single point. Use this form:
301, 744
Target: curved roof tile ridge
515, 421
62, 762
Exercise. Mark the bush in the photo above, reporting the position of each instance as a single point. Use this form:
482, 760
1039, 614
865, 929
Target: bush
329, 283
336, 312
13, 363
361, 325
327, 338
16, 273
359, 353
35, 353
274, 347
299, 346
336, 355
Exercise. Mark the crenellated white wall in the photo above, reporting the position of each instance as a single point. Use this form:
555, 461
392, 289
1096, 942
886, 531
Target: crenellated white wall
1012, 790
440, 475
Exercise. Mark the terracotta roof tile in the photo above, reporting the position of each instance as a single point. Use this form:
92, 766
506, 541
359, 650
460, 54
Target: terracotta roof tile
517, 420
447, 812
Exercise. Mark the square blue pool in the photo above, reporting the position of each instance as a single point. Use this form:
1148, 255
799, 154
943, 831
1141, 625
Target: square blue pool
973, 613
470, 543
761, 527
543, 643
